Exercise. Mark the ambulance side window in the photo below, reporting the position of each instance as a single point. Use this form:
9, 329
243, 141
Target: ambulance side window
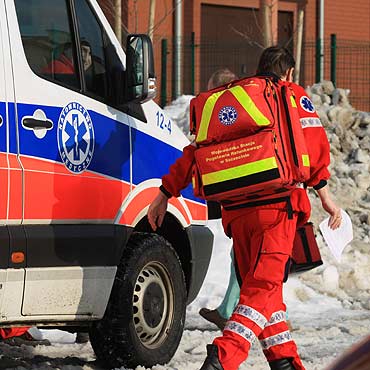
47, 39
53, 50
103, 70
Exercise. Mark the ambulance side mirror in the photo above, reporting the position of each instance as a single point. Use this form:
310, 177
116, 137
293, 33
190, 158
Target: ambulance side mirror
141, 82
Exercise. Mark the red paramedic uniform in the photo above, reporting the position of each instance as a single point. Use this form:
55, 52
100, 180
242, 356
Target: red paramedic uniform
63, 65
262, 241
13, 332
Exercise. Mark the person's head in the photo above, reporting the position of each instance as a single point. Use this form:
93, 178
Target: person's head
221, 77
277, 60
86, 54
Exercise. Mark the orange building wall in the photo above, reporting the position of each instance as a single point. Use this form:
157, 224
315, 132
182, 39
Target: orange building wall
349, 20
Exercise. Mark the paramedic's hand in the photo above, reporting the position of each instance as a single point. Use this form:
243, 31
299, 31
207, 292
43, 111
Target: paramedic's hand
330, 207
157, 211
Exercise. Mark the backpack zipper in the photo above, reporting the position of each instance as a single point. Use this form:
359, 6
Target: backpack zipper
277, 152
279, 123
268, 94
271, 90
290, 127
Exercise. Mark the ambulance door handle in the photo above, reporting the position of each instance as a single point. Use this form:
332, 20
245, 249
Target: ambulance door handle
1, 121
31, 122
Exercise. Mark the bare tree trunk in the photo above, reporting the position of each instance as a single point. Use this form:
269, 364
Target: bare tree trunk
266, 22
151, 19
118, 20
298, 57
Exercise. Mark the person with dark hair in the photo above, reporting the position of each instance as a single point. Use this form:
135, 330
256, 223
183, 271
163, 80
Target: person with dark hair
263, 236
277, 61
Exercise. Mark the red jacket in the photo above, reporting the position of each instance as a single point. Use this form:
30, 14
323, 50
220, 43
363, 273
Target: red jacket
63, 65
180, 174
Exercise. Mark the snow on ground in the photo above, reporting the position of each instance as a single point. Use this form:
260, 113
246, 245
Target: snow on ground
323, 328
329, 307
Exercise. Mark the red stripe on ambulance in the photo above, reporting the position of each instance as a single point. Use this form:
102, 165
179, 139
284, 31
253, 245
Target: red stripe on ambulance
57, 194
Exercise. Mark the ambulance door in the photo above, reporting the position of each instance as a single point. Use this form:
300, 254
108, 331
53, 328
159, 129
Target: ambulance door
74, 149
3, 141
11, 233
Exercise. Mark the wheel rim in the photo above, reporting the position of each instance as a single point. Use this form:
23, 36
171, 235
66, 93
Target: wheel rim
153, 305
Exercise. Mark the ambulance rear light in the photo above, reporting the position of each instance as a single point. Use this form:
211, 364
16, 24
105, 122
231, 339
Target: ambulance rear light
17, 257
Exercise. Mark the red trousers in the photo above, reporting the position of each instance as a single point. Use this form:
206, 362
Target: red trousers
13, 332
262, 241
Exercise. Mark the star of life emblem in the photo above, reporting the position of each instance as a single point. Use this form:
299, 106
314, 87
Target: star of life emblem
307, 104
75, 137
227, 115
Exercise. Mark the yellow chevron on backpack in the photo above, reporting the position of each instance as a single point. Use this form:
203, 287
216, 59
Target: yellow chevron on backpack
250, 143
232, 105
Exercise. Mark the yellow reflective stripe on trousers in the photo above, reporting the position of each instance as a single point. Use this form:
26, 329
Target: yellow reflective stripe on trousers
206, 116
239, 171
248, 104
244, 100
306, 160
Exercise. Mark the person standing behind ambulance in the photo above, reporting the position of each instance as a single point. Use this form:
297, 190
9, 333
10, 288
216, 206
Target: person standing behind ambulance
262, 238
221, 314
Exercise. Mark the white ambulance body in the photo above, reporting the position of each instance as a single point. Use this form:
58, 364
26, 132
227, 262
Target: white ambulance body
82, 151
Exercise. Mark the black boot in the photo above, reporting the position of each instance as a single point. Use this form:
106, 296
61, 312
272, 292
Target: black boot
212, 362
283, 364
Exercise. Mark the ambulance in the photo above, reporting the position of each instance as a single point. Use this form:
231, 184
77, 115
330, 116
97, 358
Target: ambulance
82, 151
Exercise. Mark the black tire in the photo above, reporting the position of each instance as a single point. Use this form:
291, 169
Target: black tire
145, 316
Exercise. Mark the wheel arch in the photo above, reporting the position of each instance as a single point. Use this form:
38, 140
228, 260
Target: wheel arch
191, 240
176, 234
193, 244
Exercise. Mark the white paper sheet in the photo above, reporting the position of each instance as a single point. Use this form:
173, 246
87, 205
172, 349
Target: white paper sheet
337, 239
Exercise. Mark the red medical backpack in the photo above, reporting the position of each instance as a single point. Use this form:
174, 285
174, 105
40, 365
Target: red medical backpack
250, 142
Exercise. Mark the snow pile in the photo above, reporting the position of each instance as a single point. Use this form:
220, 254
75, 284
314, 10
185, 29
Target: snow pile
348, 132
178, 111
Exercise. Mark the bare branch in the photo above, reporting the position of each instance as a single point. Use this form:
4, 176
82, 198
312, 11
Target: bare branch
246, 37
256, 20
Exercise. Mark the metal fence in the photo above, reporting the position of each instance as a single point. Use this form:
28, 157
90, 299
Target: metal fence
347, 63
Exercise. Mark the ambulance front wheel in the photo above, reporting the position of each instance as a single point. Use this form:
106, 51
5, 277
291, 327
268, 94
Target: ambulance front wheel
144, 319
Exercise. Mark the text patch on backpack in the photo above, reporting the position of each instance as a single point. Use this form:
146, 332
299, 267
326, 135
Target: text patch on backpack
245, 163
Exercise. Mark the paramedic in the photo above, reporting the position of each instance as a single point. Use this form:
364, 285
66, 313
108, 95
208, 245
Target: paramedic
262, 238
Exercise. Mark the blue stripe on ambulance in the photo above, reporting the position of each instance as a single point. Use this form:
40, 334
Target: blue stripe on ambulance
151, 158
3, 127
12, 131
156, 157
